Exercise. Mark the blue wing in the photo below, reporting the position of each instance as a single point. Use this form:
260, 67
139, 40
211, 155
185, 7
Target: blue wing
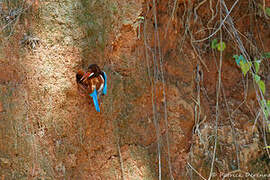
95, 99
104, 90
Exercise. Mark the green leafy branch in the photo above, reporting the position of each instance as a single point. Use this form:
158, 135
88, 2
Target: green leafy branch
220, 46
266, 9
245, 68
266, 109
265, 106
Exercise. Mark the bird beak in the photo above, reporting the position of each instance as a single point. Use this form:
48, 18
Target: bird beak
90, 75
86, 75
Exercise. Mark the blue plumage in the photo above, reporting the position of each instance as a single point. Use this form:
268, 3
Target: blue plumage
95, 99
104, 91
95, 94
94, 82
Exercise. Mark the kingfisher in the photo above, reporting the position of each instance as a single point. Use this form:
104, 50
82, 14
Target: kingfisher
93, 82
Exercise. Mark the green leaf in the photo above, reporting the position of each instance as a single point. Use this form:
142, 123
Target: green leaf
257, 65
235, 57
140, 18
265, 111
214, 44
260, 6
266, 55
268, 103
244, 67
221, 46
257, 78
267, 11
261, 86
267, 147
